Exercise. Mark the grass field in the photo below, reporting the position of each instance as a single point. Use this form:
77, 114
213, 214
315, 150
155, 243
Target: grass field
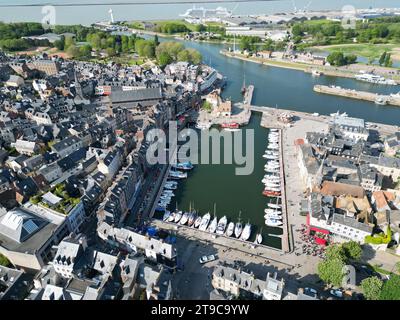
365, 50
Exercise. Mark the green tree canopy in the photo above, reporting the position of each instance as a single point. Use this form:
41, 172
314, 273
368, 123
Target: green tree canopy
164, 58
372, 288
353, 250
331, 271
4, 261
391, 288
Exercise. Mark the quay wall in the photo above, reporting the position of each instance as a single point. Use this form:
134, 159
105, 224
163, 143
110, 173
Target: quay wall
353, 94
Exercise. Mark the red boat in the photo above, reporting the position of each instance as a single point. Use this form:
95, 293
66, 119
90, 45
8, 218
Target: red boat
230, 125
271, 193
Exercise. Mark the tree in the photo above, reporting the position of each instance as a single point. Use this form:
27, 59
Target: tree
110, 52
391, 288
73, 51
85, 51
60, 44
195, 56
331, 271
382, 58
4, 261
164, 58
69, 41
372, 288
156, 41
184, 55
353, 250
350, 59
388, 61
336, 59
335, 251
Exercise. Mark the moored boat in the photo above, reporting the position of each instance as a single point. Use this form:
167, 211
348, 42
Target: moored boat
192, 218
273, 223
246, 233
197, 221
185, 218
204, 222
222, 225
230, 229
213, 225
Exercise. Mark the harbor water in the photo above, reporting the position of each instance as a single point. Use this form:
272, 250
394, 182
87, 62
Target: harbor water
285, 88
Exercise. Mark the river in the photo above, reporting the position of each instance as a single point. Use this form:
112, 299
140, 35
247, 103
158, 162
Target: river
90, 14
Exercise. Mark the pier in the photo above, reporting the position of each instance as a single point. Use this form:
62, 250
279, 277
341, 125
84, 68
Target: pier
359, 95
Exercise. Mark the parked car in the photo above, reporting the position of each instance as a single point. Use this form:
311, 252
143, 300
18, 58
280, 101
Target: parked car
336, 293
205, 259
310, 292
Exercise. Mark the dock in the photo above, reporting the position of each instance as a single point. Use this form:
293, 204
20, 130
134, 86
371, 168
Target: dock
393, 100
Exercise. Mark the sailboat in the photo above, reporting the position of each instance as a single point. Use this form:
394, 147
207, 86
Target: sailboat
205, 221
214, 223
246, 232
230, 229
192, 218
238, 227
178, 216
259, 237
185, 216
198, 221
243, 91
222, 225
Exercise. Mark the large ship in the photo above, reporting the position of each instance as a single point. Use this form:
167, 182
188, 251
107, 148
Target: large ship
374, 78
206, 14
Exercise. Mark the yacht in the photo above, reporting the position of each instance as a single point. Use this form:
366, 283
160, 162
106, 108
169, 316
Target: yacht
203, 126
197, 221
185, 166
374, 78
177, 174
185, 218
273, 222
273, 146
171, 218
259, 238
213, 225
204, 222
272, 170
274, 206
381, 100
178, 216
273, 211
270, 157
222, 225
192, 218
272, 216
230, 229
315, 73
246, 232
170, 187
238, 228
